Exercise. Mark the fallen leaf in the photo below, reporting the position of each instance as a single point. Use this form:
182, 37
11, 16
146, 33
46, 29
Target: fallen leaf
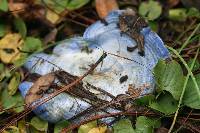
20, 26
39, 124
179, 14
165, 103
123, 126
11, 129
9, 45
52, 16
12, 101
39, 87
101, 129
169, 77
4, 5
103, 7
13, 84
146, 10
87, 127
60, 125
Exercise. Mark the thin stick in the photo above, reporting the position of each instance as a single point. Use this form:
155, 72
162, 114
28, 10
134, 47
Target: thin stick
44, 100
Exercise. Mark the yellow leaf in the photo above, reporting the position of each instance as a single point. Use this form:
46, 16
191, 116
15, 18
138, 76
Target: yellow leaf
9, 47
87, 127
98, 130
52, 16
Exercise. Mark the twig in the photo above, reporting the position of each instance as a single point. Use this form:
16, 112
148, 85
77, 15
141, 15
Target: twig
95, 117
49, 97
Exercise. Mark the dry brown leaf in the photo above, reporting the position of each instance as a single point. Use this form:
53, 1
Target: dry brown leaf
41, 85
103, 7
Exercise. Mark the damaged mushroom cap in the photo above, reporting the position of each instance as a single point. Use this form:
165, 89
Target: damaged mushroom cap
119, 72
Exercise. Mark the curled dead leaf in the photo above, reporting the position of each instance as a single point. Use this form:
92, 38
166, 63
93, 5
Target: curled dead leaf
103, 7
41, 85
9, 47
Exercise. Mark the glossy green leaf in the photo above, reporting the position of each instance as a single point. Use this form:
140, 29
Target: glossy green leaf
32, 44
169, 77
165, 103
146, 125
13, 84
192, 95
39, 124
20, 26
60, 125
123, 126
151, 9
75, 4
4, 5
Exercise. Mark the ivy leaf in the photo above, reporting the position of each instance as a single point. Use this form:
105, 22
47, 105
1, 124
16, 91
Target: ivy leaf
165, 103
20, 26
75, 4
32, 44
13, 84
192, 95
169, 77
60, 125
123, 126
151, 9
4, 5
39, 124
146, 125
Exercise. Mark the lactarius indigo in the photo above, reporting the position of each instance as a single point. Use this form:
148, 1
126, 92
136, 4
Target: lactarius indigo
122, 72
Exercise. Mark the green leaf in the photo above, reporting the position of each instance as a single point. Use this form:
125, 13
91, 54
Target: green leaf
19, 62
39, 124
13, 84
165, 103
192, 95
20, 26
151, 9
75, 4
2, 28
12, 129
169, 77
4, 5
193, 12
57, 5
32, 44
12, 101
87, 127
145, 100
196, 64
123, 126
60, 125
178, 14
146, 125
